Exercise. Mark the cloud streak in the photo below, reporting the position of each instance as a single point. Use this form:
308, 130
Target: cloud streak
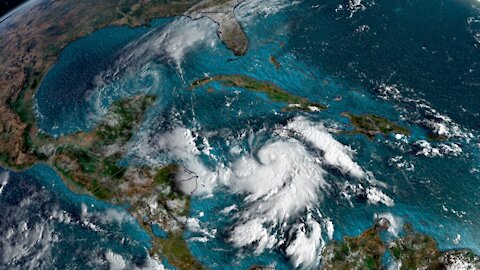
282, 180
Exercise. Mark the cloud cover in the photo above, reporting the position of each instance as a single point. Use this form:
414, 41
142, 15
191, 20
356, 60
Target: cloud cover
282, 180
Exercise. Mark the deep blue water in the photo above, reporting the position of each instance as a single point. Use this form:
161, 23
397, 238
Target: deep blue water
64, 91
42, 217
427, 46
426, 49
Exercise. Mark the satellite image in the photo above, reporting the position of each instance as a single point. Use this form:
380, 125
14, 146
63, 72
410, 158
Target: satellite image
240, 134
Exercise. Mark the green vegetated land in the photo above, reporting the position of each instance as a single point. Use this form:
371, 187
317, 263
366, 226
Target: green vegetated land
91, 162
371, 125
273, 91
411, 251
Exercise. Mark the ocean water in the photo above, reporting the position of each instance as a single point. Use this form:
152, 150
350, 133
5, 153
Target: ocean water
66, 89
428, 51
44, 225
425, 51
429, 47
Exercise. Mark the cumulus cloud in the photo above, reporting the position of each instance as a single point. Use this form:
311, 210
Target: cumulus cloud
335, 154
281, 179
151, 264
428, 150
179, 146
396, 223
27, 241
117, 262
376, 196
418, 110
171, 42
330, 228
4, 177
304, 250
248, 10
253, 232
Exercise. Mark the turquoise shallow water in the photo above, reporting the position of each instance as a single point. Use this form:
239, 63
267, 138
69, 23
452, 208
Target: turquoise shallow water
427, 46
323, 56
56, 228
66, 88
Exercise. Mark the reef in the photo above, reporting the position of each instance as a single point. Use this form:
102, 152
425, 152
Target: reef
274, 61
371, 125
411, 251
273, 91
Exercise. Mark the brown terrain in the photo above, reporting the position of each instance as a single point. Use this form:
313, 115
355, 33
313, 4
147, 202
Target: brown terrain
33, 37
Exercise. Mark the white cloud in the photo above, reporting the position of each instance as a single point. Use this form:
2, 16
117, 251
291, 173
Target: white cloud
458, 263
335, 154
282, 179
115, 260
438, 150
229, 209
25, 241
151, 264
376, 196
173, 41
278, 166
396, 223
4, 177
248, 10
305, 249
330, 228
253, 232
422, 113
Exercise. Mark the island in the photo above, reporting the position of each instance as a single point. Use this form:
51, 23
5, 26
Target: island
371, 125
274, 61
273, 91
411, 251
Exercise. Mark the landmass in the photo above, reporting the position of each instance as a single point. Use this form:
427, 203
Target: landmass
361, 252
411, 251
273, 91
34, 36
420, 251
32, 40
229, 29
436, 137
92, 163
371, 125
